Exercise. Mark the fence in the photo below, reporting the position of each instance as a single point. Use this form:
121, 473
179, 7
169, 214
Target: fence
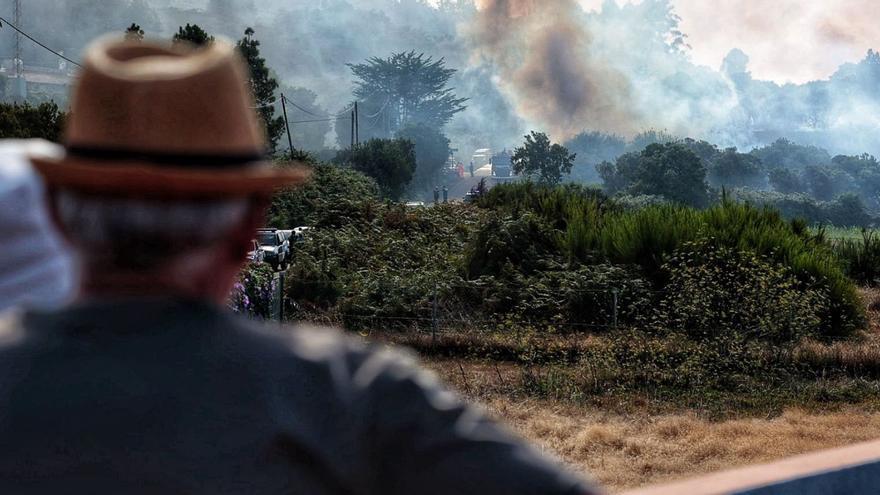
447, 306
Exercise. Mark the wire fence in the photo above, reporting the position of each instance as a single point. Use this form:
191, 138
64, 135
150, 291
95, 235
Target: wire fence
449, 307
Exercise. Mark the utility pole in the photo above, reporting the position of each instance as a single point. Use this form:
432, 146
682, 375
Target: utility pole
352, 128
286, 123
357, 124
18, 60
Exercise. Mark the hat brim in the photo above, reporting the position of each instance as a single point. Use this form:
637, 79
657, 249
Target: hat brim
138, 179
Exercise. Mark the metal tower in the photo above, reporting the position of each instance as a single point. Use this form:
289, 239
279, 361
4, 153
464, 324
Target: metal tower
18, 60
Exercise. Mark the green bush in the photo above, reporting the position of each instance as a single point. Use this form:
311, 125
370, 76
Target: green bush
333, 196
718, 291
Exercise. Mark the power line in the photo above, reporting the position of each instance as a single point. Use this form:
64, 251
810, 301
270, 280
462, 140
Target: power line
288, 100
13, 26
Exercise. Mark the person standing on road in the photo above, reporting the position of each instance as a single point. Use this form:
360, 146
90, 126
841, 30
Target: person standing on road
147, 384
445, 194
436, 195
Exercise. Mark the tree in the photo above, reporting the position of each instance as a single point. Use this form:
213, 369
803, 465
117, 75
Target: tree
732, 169
391, 162
670, 170
593, 148
404, 89
785, 181
538, 158
44, 121
263, 87
134, 33
432, 153
194, 34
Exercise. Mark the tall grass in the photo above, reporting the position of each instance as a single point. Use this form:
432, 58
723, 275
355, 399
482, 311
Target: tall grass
861, 257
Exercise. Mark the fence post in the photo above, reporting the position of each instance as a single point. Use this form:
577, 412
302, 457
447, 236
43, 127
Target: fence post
434, 316
281, 278
614, 293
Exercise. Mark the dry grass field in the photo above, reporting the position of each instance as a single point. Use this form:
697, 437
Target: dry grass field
623, 452
624, 446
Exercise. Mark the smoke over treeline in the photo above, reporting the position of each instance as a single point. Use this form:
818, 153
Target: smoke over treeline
524, 64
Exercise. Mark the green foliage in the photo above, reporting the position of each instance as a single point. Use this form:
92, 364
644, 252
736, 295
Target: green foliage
846, 210
730, 168
23, 121
191, 33
391, 162
670, 170
648, 237
716, 290
406, 88
263, 87
540, 159
254, 292
432, 152
861, 257
788, 155
333, 196
507, 244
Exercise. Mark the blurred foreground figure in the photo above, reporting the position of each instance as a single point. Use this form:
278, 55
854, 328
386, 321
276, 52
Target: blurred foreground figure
146, 385
35, 269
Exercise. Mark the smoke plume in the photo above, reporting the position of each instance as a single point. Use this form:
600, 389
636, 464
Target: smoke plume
542, 56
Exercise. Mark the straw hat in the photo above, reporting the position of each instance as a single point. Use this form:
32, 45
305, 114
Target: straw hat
158, 121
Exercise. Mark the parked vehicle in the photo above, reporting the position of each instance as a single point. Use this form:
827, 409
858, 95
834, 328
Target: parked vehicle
275, 246
255, 255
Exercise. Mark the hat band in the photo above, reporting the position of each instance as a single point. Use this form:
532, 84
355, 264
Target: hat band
193, 160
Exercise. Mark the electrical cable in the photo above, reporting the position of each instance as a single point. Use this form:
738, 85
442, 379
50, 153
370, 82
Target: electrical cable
13, 26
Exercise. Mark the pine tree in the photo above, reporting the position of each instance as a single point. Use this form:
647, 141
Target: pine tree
263, 86
193, 34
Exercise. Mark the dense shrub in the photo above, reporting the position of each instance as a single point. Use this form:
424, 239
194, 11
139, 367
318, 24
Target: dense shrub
332, 196
514, 244
715, 290
597, 232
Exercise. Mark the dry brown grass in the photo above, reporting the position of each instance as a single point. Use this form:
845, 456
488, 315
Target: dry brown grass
623, 446
622, 452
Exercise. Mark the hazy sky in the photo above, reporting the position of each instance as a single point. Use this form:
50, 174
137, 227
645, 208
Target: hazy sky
787, 40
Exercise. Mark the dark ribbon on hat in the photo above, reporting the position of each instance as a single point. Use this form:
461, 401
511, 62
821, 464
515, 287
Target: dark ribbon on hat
180, 160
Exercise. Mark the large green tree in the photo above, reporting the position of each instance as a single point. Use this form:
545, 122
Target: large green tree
192, 33
391, 162
263, 86
670, 170
432, 154
405, 88
541, 160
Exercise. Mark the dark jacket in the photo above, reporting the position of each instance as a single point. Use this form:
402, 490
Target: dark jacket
180, 397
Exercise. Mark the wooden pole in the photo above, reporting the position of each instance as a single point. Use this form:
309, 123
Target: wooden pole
286, 123
357, 124
352, 129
